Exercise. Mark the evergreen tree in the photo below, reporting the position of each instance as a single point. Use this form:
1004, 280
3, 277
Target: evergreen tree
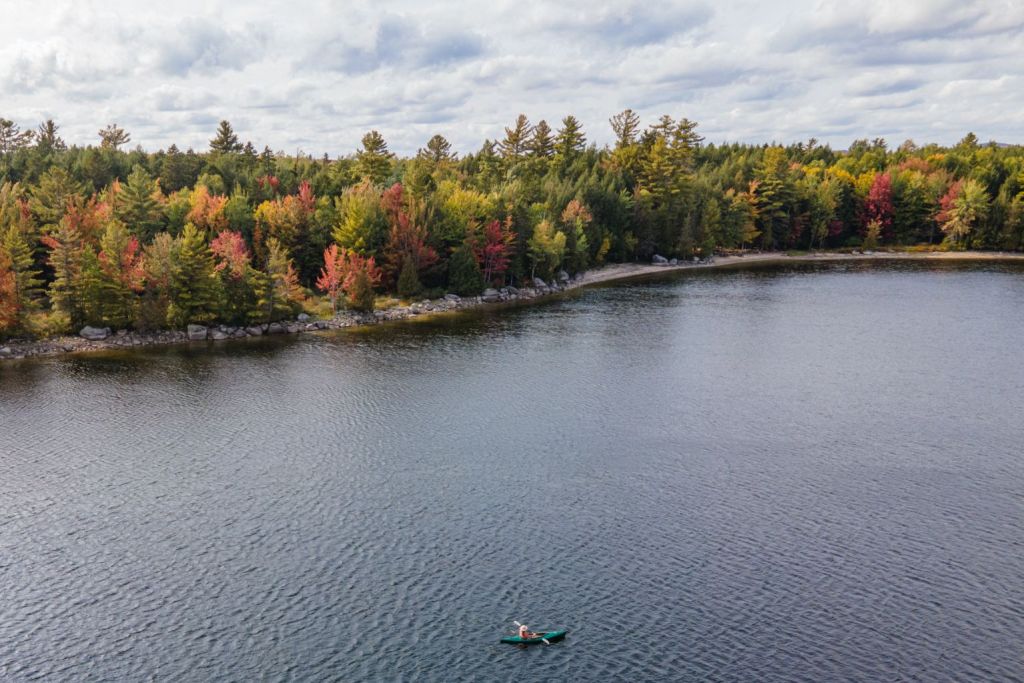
47, 139
408, 281
113, 136
625, 125
138, 206
66, 261
373, 161
12, 138
541, 144
516, 139
50, 198
276, 289
225, 141
464, 276
27, 283
194, 286
121, 275
570, 140
361, 296
437, 151
174, 174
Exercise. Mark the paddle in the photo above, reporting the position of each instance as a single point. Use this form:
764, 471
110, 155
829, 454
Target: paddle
546, 642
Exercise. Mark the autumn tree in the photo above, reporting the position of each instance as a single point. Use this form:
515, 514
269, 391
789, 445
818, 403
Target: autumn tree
878, 207
121, 275
50, 199
66, 260
277, 291
363, 224
407, 240
546, 248
965, 207
234, 265
494, 250
10, 304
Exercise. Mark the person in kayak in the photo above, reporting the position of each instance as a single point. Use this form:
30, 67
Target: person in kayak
524, 632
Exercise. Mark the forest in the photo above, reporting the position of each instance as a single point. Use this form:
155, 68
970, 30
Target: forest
111, 236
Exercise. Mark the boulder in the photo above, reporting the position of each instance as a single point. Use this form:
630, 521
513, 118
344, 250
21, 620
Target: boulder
452, 297
659, 260
196, 332
563, 276
512, 290
94, 333
490, 295
6, 351
302, 318
674, 262
239, 333
538, 283
254, 331
218, 334
276, 328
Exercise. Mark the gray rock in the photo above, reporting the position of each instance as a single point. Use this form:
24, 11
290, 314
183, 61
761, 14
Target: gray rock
302, 318
452, 297
254, 331
563, 276
6, 351
239, 333
696, 260
218, 334
294, 329
659, 259
196, 332
275, 328
538, 283
94, 333
512, 290
490, 295
321, 324
121, 333
673, 262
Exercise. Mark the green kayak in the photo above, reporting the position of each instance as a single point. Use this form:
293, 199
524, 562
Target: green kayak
550, 636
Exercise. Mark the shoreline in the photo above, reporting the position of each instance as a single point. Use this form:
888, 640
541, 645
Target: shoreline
124, 339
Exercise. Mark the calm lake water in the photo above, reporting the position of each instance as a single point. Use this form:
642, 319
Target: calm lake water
803, 474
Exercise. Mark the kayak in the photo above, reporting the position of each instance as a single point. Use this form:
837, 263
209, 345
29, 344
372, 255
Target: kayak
550, 636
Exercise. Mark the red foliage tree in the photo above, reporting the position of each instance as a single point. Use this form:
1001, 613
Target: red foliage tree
341, 266
10, 304
494, 251
947, 201
232, 254
878, 205
406, 240
125, 267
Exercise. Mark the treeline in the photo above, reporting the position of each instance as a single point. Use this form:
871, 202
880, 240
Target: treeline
109, 236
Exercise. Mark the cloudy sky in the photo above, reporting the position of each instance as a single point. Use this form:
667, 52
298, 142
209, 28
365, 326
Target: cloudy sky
316, 75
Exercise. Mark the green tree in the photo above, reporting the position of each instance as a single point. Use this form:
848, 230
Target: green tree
194, 286
50, 198
138, 204
541, 144
27, 285
363, 223
225, 141
113, 136
438, 151
517, 138
373, 161
464, 276
570, 140
626, 125
12, 138
121, 275
969, 210
47, 139
408, 280
361, 296
546, 249
276, 289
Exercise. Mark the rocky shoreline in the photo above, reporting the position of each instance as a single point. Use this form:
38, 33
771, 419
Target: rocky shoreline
99, 339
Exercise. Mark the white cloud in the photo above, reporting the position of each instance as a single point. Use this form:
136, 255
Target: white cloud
317, 75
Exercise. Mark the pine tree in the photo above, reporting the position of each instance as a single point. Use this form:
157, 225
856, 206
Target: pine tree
138, 206
174, 173
408, 282
225, 141
625, 124
541, 143
10, 308
464, 276
373, 161
437, 151
276, 289
194, 287
113, 136
66, 260
12, 137
28, 285
516, 139
570, 140
121, 275
47, 139
50, 198
360, 295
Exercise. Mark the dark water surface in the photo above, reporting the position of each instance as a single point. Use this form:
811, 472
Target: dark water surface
811, 474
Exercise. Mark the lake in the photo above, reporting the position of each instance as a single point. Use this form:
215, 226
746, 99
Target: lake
807, 473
